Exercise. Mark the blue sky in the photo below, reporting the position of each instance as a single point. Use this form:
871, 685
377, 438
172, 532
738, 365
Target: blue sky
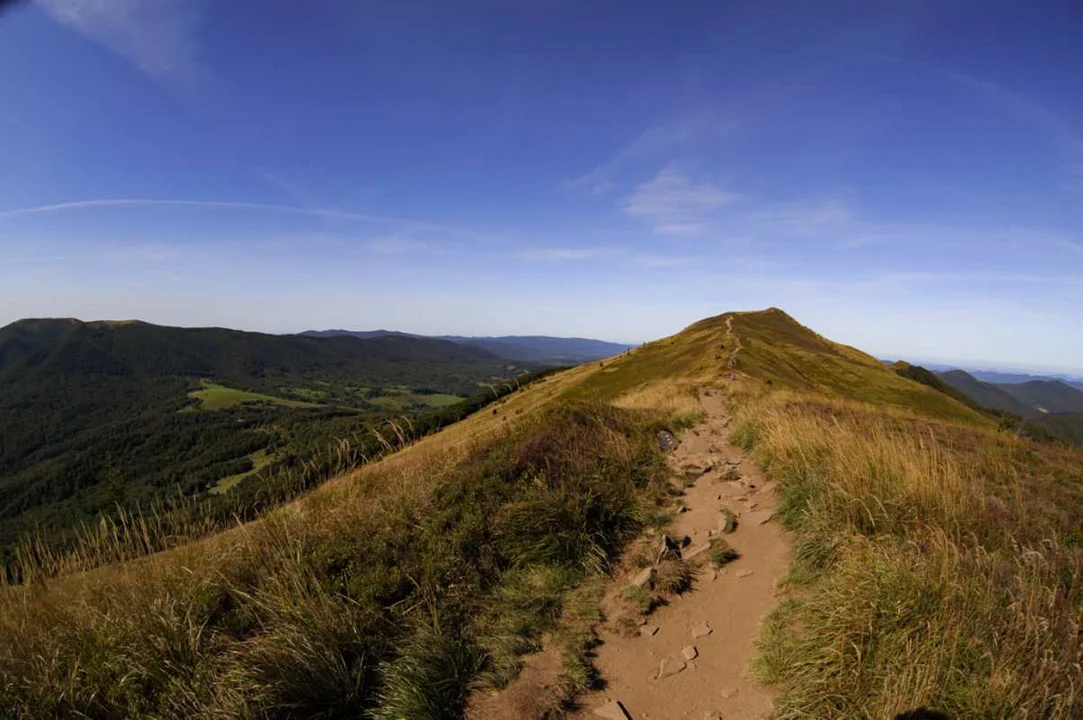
905, 177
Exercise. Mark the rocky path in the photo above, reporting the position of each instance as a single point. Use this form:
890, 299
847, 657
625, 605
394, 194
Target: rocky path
690, 659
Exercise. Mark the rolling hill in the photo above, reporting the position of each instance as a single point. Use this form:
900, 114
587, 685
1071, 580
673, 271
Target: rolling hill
987, 394
105, 414
1046, 396
538, 349
935, 557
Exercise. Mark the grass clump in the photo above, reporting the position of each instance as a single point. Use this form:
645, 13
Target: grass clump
729, 521
430, 678
641, 600
674, 577
721, 552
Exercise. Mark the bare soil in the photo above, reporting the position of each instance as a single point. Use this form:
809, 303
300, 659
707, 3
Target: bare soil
732, 601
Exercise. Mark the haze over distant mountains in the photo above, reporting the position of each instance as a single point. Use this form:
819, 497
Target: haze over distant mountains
1008, 377
542, 349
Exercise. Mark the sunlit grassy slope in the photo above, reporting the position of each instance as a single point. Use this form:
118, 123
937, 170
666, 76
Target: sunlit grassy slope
937, 558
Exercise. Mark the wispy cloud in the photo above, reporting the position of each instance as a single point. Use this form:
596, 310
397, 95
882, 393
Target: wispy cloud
152, 252
158, 36
221, 205
393, 245
809, 213
1069, 142
34, 260
559, 254
662, 261
653, 141
675, 205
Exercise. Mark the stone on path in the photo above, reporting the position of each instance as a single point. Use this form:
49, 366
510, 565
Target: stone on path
648, 630
670, 666
701, 630
728, 693
667, 442
613, 710
743, 573
643, 578
690, 652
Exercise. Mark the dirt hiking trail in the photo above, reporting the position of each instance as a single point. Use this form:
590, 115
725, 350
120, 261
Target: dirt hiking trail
689, 658
710, 630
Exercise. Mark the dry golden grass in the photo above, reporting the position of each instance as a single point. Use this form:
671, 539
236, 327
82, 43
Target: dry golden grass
936, 564
676, 399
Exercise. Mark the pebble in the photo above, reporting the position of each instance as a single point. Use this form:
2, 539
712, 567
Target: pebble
701, 630
728, 693
690, 652
648, 630
743, 573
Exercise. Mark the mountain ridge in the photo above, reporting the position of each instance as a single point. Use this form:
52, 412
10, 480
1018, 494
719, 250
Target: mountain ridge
547, 349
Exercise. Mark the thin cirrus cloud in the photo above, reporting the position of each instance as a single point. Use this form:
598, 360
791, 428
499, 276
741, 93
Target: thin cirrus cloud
559, 254
673, 204
327, 213
650, 143
1068, 141
157, 36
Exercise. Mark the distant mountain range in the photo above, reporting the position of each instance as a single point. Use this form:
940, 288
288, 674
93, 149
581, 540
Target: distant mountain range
541, 349
1003, 377
1029, 399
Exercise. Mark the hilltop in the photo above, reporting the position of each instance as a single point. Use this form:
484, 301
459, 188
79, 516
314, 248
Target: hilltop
935, 555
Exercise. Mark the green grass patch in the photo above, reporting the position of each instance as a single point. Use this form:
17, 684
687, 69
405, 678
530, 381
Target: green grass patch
309, 394
402, 400
212, 396
260, 459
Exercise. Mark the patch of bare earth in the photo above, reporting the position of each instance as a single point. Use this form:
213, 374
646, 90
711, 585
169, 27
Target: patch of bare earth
688, 658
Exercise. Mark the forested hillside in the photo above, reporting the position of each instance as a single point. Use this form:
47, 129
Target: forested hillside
99, 415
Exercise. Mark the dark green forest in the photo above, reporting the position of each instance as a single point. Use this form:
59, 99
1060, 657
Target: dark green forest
95, 417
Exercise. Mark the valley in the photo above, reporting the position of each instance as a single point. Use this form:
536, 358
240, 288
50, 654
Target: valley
99, 420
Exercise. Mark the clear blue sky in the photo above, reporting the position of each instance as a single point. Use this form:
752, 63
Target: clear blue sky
906, 177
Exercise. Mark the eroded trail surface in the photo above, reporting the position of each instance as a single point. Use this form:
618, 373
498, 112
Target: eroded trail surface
691, 658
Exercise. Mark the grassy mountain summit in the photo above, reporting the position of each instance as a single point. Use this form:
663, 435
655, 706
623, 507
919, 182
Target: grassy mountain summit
936, 557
